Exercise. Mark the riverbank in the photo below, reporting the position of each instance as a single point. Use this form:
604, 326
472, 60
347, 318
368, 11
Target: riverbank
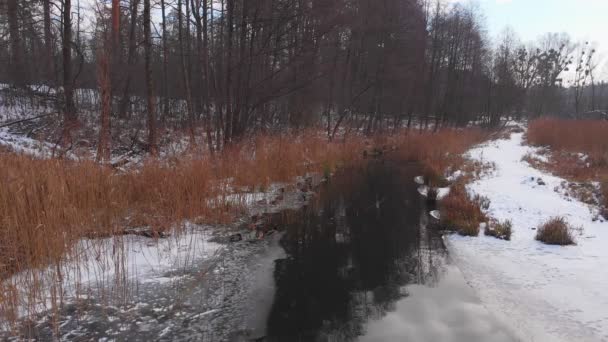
76, 230
544, 293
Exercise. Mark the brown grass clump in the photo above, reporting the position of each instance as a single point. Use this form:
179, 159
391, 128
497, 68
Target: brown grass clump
556, 231
461, 213
500, 230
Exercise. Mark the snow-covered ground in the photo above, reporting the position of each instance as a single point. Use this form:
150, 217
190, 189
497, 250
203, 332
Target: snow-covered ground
544, 293
94, 267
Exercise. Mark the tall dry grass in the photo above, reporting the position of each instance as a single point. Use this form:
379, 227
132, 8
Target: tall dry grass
568, 137
438, 151
585, 136
47, 206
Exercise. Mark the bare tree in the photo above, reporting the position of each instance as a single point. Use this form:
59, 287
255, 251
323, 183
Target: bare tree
69, 111
150, 91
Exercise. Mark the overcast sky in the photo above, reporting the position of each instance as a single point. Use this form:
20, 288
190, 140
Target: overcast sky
583, 20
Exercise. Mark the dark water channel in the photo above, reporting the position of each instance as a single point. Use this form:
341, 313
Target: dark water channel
363, 264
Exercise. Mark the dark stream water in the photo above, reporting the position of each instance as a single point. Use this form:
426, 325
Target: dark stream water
363, 264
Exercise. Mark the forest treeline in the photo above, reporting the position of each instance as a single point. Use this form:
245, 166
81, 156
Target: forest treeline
227, 68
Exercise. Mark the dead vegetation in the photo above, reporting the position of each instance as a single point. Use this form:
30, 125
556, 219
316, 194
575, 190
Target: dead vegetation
499, 230
579, 150
556, 231
437, 151
46, 206
461, 213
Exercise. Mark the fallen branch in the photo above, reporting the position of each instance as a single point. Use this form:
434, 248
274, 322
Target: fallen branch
25, 120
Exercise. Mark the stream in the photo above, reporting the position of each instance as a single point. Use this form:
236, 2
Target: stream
363, 263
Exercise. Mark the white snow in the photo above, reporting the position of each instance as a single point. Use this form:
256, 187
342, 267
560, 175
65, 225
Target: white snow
95, 265
242, 198
441, 192
545, 293
25, 145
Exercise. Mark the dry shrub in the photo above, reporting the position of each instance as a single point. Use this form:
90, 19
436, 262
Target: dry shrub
461, 213
556, 231
500, 230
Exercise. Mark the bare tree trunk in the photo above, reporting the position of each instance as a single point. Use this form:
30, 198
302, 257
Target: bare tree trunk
115, 24
152, 145
202, 44
105, 84
103, 78
206, 76
165, 89
48, 42
185, 74
69, 114
130, 60
17, 68
229, 109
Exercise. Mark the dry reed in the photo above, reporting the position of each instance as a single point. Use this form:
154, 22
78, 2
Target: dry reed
567, 138
47, 206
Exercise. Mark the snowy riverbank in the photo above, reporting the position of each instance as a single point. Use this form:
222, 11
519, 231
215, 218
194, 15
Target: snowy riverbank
544, 293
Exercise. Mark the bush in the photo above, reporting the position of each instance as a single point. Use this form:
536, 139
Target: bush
500, 230
459, 212
556, 231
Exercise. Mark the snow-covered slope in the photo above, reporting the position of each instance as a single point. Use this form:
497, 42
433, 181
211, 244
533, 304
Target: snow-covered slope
544, 293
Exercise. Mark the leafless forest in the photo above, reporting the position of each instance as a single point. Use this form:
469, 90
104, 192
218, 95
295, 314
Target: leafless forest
119, 73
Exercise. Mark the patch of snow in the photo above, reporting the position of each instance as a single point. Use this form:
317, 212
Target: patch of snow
419, 180
545, 293
246, 199
21, 144
441, 192
455, 176
435, 214
103, 264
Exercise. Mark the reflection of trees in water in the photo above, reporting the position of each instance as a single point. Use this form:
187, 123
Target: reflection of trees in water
351, 254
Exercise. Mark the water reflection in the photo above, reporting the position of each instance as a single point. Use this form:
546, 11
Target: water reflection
351, 255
